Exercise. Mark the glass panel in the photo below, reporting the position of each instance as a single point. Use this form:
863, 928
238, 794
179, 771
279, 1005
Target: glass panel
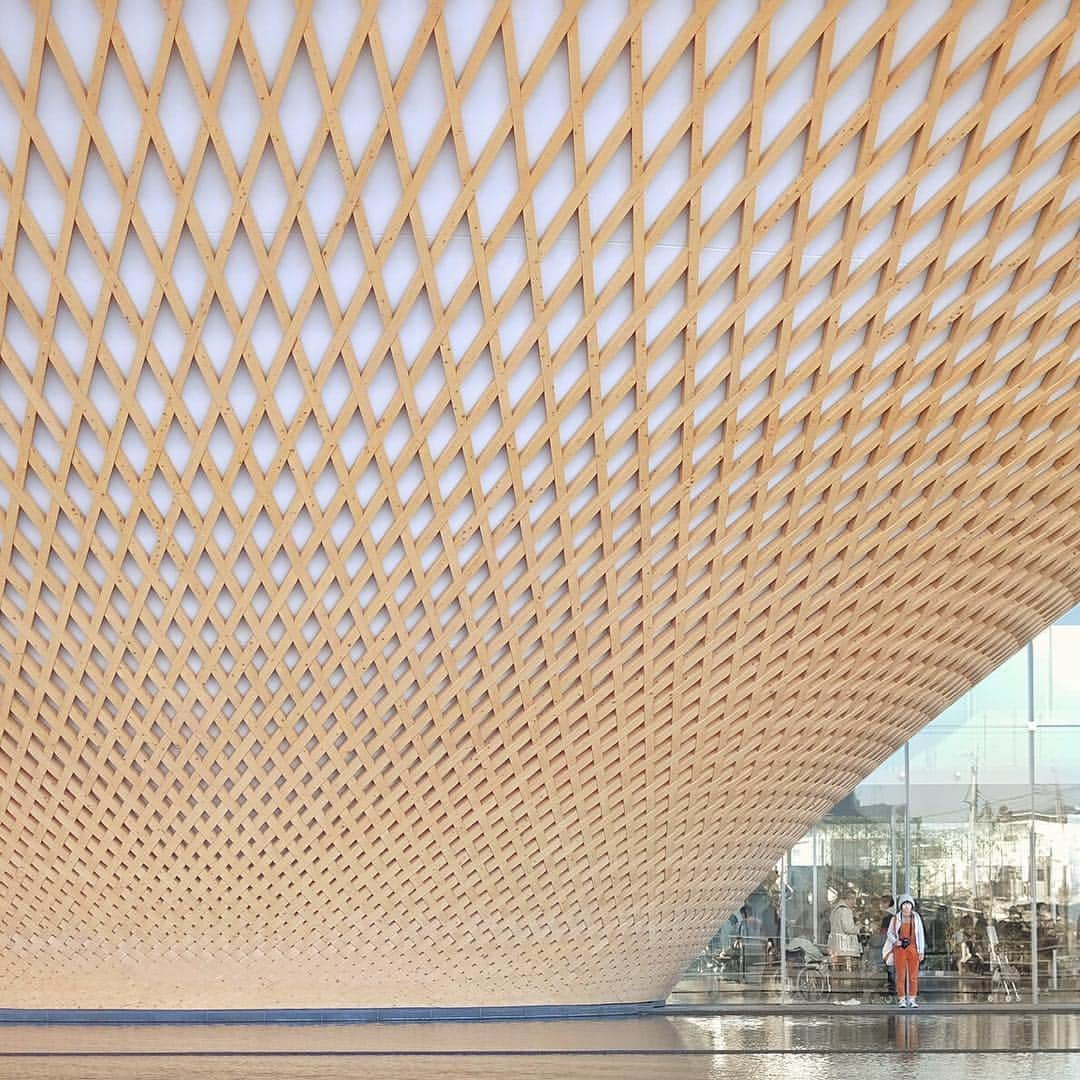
971, 820
970, 839
1065, 665
1057, 816
1057, 672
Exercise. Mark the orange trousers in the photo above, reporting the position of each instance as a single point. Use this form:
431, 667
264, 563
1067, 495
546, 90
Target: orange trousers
907, 970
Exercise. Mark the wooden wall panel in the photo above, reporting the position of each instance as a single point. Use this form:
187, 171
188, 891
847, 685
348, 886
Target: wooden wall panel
478, 480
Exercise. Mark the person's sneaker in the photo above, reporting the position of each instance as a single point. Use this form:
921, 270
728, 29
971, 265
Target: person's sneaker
902, 1003
912, 1003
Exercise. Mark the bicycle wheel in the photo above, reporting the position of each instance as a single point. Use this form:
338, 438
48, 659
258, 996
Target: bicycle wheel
811, 984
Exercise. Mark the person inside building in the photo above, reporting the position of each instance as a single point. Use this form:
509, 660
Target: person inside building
886, 905
907, 936
751, 944
843, 935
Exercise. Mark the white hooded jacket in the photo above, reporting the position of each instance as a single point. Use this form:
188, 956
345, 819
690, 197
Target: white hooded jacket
892, 935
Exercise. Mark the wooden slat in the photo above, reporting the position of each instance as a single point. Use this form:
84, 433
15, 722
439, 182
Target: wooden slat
449, 572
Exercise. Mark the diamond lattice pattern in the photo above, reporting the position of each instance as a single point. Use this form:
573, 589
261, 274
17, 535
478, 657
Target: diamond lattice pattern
478, 480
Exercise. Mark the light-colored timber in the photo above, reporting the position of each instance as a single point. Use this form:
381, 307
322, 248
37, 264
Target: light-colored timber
477, 480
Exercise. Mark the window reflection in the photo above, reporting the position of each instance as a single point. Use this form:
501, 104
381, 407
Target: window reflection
991, 819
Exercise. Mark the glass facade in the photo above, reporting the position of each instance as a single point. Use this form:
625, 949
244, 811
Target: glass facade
978, 816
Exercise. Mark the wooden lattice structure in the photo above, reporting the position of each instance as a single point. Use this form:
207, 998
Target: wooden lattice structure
477, 481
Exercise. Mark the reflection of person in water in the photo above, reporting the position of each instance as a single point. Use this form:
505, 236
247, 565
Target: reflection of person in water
904, 1033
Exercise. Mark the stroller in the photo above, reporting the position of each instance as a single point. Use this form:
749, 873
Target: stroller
1003, 974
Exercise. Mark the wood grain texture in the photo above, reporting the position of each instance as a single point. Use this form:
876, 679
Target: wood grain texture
478, 480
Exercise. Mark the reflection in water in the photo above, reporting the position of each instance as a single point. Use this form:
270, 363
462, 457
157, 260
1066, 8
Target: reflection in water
847, 1031
904, 1033
778, 1066
655, 1033
794, 1047
738, 1033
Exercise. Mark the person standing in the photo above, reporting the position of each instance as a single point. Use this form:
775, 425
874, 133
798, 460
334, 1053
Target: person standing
887, 912
843, 935
751, 947
907, 937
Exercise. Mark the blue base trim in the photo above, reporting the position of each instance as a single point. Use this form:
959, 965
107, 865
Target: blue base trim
412, 1014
